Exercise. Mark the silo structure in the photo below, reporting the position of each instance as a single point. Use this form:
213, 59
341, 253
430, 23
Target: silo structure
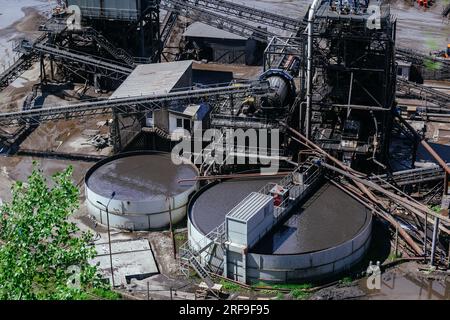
147, 187
126, 10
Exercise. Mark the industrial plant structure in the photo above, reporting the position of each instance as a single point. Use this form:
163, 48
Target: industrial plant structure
326, 90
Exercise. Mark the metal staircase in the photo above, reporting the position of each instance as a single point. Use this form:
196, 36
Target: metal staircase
23, 63
209, 158
159, 131
169, 23
198, 255
14, 71
118, 53
193, 255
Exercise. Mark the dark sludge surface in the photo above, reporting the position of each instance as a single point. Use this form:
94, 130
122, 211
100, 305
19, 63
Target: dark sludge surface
141, 177
327, 219
210, 208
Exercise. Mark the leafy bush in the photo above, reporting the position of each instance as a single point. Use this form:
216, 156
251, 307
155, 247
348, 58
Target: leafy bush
42, 254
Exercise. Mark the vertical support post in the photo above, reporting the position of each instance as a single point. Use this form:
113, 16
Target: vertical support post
159, 43
225, 261
115, 134
52, 70
350, 95
396, 242
142, 38
244, 267
171, 295
309, 75
300, 118
110, 251
425, 237
232, 103
435, 235
42, 68
148, 290
96, 83
446, 184
448, 257
171, 229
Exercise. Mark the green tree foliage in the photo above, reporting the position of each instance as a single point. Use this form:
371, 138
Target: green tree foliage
39, 247
432, 65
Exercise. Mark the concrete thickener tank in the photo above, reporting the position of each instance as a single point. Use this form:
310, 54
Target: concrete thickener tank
327, 234
148, 192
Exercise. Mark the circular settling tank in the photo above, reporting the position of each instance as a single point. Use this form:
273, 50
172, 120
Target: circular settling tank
327, 234
147, 190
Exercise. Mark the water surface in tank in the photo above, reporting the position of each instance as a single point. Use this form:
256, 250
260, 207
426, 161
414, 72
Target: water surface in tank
141, 177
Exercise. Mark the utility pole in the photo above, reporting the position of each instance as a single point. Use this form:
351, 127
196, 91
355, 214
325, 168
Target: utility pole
109, 236
172, 235
435, 235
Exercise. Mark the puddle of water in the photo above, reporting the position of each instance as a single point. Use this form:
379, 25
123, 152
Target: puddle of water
407, 286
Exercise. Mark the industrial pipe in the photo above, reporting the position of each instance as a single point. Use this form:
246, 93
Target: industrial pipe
425, 144
234, 176
434, 240
311, 13
388, 218
389, 194
361, 181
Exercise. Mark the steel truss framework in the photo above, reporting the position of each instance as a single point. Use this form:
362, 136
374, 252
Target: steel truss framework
143, 26
129, 105
280, 48
414, 90
244, 12
15, 70
79, 62
216, 20
79, 51
354, 79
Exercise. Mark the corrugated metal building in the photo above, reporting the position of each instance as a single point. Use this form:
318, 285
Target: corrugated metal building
156, 78
221, 46
152, 79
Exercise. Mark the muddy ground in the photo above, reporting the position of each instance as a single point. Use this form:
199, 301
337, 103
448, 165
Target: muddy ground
11, 98
407, 281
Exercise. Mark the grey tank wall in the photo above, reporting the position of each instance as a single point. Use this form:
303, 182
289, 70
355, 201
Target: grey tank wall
285, 268
135, 214
291, 267
309, 266
302, 267
128, 10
